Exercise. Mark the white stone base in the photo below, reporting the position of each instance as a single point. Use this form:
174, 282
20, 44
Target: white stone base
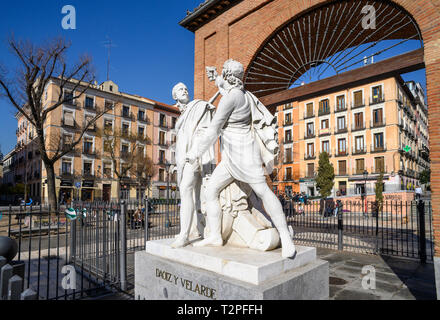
228, 273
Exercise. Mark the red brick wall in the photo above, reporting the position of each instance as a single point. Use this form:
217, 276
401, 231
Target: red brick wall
240, 31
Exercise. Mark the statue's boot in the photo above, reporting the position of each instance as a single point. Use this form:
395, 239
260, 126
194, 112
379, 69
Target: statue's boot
215, 237
288, 249
181, 241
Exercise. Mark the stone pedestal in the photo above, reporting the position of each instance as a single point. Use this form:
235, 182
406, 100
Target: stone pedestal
228, 273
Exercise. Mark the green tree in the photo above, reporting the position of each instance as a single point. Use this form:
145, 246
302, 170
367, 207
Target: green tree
326, 175
425, 176
379, 193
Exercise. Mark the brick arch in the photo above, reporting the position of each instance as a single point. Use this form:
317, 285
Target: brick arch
240, 31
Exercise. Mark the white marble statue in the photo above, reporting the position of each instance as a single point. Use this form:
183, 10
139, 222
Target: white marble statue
194, 116
248, 140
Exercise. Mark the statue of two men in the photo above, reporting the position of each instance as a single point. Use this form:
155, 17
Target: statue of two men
248, 147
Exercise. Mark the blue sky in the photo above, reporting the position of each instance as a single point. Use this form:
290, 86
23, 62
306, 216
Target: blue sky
152, 51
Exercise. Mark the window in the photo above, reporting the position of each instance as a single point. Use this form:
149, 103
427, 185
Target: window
162, 138
378, 141
376, 94
108, 125
68, 118
125, 129
124, 148
341, 123
326, 147
161, 175
107, 145
288, 174
377, 116
343, 188
125, 111
162, 120
89, 102
342, 146
310, 170
310, 129
141, 115
360, 166
141, 131
309, 110
109, 104
359, 120
87, 168
66, 166
342, 167
324, 106
288, 153
288, 118
379, 164
88, 145
310, 149
173, 122
325, 124
67, 140
107, 170
288, 135
161, 156
340, 103
68, 96
358, 98
88, 119
359, 143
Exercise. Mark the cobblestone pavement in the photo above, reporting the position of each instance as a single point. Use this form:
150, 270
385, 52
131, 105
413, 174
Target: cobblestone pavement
396, 278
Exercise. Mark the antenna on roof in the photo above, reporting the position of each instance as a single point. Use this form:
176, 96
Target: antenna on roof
108, 44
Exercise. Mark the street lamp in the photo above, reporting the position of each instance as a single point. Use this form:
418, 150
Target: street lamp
365, 192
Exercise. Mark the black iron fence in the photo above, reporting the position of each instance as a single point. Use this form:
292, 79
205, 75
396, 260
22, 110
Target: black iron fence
87, 250
398, 228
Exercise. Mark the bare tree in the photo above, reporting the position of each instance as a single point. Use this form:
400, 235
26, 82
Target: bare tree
38, 66
127, 154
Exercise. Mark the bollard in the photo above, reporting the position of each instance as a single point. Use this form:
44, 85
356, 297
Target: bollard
5, 275
15, 287
123, 241
3, 261
28, 294
18, 269
422, 231
340, 231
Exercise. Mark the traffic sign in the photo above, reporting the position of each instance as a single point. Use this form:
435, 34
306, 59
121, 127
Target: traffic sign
78, 185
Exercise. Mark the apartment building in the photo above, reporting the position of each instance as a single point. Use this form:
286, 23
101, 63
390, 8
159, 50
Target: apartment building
375, 127
88, 171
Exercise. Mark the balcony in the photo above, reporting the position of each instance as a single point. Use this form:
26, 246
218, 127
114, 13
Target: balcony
73, 103
125, 154
341, 153
342, 172
163, 125
379, 169
309, 156
341, 130
143, 118
323, 112
358, 127
381, 148
163, 144
288, 161
88, 174
288, 179
288, 123
89, 106
66, 174
377, 99
90, 151
377, 124
288, 140
324, 132
310, 175
128, 115
309, 135
356, 105
341, 108
308, 115
359, 150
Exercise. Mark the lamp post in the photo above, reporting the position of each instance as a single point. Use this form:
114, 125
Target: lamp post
168, 166
365, 193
